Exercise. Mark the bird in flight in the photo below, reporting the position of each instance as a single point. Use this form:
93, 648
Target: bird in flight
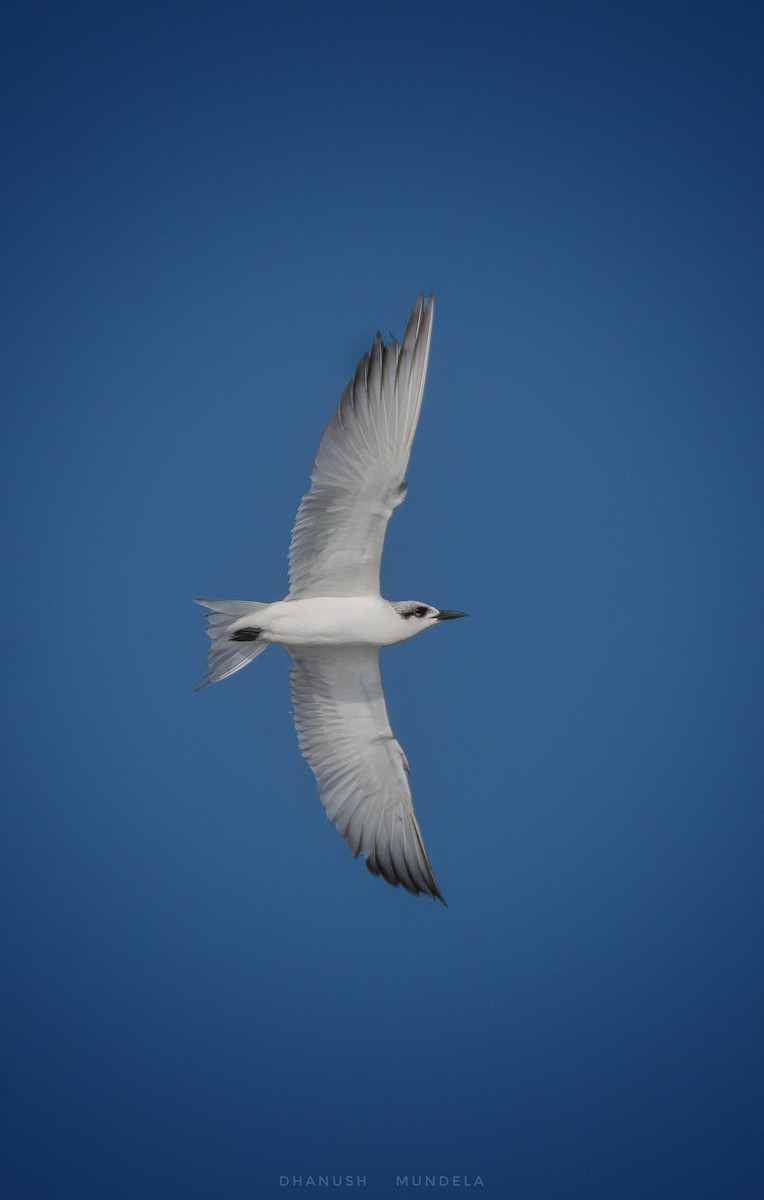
334, 620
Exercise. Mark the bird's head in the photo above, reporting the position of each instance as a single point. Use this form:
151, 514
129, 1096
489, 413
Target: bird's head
417, 616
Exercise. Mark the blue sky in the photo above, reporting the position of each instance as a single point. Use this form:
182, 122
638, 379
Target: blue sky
208, 211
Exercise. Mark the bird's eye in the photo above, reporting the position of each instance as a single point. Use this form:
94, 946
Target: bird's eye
420, 610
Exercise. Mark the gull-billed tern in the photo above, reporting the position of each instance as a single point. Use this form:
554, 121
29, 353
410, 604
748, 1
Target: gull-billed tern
334, 620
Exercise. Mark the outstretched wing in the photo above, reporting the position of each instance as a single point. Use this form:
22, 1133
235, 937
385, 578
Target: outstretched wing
358, 475
361, 770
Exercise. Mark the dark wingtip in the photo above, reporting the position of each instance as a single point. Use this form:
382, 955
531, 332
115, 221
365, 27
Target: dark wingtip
432, 890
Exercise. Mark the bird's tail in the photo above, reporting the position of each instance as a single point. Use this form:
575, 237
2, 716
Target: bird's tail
229, 655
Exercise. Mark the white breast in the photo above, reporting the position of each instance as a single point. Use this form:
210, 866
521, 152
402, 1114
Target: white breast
328, 621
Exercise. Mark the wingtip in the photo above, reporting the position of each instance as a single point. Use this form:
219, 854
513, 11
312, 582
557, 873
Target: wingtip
414, 887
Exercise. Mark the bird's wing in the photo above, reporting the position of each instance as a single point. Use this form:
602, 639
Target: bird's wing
358, 475
361, 770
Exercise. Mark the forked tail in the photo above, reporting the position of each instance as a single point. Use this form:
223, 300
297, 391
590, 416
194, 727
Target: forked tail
227, 656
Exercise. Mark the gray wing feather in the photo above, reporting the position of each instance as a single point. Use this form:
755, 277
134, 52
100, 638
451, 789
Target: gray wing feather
358, 476
361, 770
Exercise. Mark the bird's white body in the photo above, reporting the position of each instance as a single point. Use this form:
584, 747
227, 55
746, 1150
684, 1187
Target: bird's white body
329, 621
334, 621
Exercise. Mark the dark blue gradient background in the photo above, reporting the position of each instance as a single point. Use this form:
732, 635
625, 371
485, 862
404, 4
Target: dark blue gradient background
208, 210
